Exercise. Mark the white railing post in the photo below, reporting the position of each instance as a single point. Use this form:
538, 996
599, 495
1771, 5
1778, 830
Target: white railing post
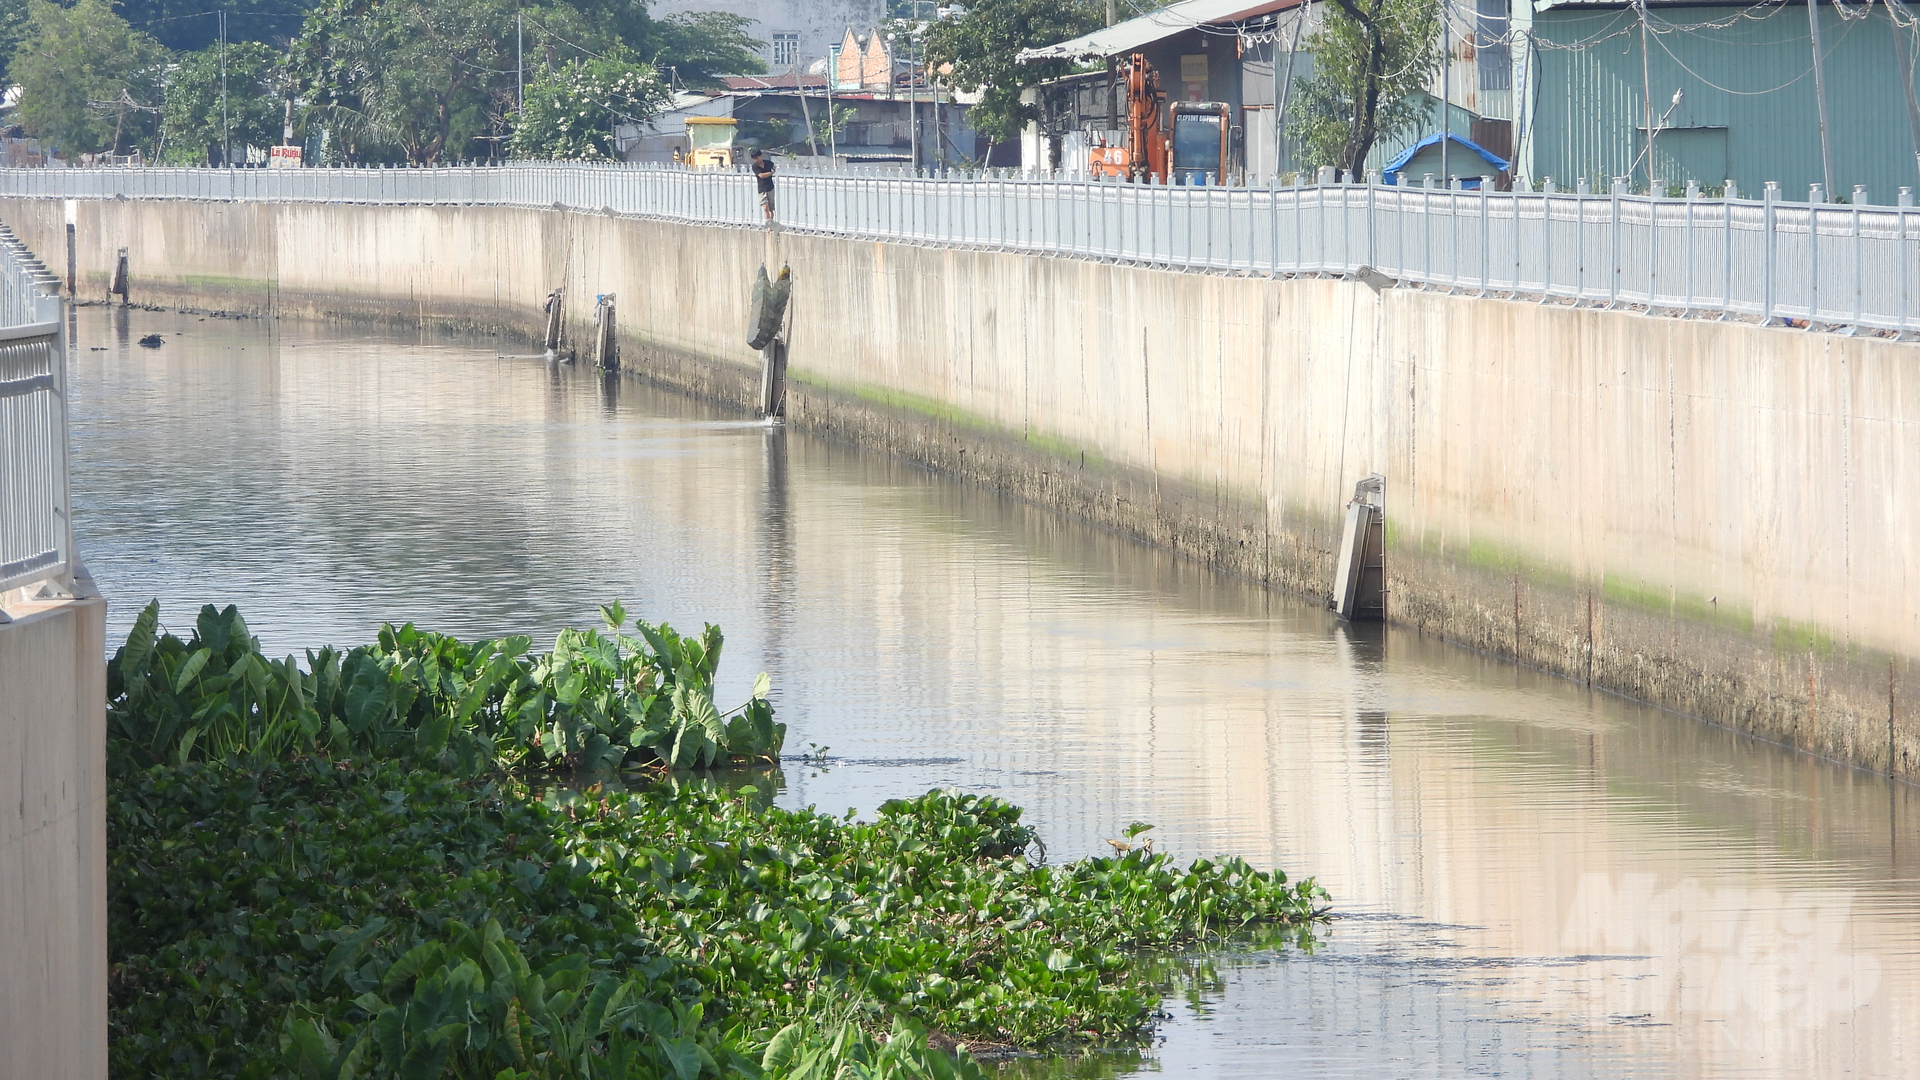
1816, 195
1859, 255
1906, 261
1613, 279
1770, 244
1727, 199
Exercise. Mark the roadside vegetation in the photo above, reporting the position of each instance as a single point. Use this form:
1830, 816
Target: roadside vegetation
386, 862
419, 82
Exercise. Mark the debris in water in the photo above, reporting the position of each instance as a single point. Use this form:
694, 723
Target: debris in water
153, 341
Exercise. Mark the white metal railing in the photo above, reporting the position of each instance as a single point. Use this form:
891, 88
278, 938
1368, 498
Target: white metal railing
36, 534
1855, 266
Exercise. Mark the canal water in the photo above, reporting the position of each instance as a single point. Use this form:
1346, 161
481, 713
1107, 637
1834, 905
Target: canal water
1532, 880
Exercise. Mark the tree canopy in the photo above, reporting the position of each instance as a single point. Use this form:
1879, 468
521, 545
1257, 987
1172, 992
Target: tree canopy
571, 112
89, 82
982, 48
430, 80
1372, 60
191, 25
193, 130
701, 46
421, 81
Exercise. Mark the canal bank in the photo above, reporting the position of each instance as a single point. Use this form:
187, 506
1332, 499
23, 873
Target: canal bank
1539, 880
1701, 515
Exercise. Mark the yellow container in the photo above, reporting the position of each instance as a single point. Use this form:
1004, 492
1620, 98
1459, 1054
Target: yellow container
710, 141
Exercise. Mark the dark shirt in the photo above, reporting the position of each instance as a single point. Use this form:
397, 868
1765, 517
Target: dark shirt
763, 172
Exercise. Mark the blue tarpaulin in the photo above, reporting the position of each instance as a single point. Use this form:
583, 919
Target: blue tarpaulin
1391, 174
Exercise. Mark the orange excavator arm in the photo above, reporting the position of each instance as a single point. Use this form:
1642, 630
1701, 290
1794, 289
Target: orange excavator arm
1146, 123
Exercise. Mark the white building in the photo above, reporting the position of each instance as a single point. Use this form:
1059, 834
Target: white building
796, 31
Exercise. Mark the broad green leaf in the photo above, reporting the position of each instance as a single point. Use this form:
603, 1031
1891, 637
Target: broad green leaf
684, 1055
138, 650
192, 668
417, 961
349, 947
184, 752
431, 737
782, 1048
606, 997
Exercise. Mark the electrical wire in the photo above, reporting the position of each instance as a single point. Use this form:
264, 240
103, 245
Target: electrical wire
1831, 49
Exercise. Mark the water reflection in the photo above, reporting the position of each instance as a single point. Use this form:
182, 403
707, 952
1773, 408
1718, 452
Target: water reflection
1535, 880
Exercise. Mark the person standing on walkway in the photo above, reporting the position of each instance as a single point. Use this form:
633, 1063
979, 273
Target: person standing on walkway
763, 173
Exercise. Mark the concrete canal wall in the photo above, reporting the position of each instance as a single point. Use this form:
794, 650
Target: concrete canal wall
53, 838
1714, 517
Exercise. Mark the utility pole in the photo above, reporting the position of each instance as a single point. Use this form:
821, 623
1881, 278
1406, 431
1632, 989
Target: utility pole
226, 130
1283, 89
520, 60
913, 95
1646, 97
806, 115
1446, 90
1820, 94
1113, 91
833, 76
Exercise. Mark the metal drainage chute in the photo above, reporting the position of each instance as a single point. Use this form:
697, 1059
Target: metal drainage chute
1360, 578
766, 332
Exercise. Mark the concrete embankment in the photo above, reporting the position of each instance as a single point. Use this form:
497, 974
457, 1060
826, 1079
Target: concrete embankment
1714, 517
53, 837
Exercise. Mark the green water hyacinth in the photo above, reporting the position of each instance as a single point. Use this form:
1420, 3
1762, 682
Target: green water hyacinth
599, 700
288, 900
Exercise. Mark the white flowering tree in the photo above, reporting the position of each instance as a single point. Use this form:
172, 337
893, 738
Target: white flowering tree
571, 112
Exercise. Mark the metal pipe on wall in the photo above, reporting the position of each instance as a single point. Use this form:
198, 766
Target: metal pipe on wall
1820, 96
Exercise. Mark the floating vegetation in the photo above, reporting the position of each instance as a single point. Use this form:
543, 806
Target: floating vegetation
347, 871
599, 700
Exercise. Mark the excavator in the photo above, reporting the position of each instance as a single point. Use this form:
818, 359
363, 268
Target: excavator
1186, 142
1145, 155
1146, 130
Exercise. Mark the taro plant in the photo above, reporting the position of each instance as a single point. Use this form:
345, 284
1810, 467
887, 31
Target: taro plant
805, 1052
597, 701
473, 1005
212, 696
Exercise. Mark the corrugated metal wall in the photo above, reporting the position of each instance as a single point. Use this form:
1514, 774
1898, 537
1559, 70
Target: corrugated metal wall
1749, 99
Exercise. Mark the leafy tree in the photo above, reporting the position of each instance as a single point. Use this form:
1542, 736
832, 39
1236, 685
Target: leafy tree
701, 46
1372, 59
411, 75
829, 126
427, 80
88, 81
191, 25
983, 45
191, 123
13, 27
571, 112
